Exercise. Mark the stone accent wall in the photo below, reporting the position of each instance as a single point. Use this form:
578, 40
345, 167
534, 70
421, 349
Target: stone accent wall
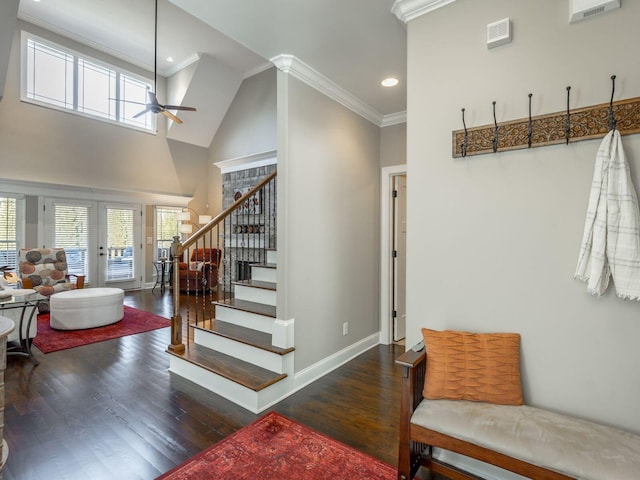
251, 230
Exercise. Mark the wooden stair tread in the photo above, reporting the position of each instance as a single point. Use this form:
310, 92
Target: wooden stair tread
265, 265
248, 336
252, 307
257, 284
250, 376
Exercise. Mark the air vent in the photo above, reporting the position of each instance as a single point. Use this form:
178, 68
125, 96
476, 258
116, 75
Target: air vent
583, 9
499, 33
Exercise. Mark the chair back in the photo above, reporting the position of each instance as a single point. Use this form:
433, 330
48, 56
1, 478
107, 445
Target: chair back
43, 266
206, 255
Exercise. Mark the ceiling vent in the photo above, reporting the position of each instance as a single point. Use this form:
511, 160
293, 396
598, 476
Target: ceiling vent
583, 9
499, 33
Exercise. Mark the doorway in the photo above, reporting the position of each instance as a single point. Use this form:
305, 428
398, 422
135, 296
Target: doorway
393, 254
102, 240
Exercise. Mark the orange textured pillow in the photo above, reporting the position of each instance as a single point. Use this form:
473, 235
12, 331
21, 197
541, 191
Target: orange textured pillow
483, 367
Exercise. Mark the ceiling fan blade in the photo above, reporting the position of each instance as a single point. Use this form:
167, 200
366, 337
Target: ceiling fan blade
139, 114
171, 116
178, 107
152, 98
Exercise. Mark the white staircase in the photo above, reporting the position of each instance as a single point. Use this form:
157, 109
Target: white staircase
235, 357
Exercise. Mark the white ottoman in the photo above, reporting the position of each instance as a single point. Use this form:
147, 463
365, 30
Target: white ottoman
86, 308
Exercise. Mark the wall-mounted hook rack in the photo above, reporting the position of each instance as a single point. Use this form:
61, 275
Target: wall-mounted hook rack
550, 129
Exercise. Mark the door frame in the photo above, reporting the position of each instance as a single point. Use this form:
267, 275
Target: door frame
386, 242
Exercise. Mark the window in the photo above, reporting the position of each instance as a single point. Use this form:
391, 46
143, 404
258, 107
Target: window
11, 222
166, 228
57, 77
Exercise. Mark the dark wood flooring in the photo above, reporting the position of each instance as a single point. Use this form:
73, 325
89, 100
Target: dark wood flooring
111, 410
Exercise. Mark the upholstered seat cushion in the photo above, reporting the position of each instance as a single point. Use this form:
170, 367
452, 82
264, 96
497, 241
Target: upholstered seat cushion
86, 308
568, 445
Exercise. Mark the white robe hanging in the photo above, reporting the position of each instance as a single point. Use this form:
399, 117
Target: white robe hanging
611, 241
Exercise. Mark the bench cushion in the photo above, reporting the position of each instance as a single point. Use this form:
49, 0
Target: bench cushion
568, 445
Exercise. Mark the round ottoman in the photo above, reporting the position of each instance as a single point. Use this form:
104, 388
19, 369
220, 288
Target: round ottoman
86, 308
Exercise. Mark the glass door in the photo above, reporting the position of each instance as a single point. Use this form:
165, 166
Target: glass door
119, 246
102, 240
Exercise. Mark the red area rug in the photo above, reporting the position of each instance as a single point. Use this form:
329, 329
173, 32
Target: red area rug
134, 321
277, 448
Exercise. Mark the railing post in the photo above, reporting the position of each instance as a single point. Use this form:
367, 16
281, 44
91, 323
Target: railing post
176, 345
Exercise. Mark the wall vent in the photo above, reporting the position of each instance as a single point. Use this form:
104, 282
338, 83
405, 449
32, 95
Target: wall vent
583, 9
499, 33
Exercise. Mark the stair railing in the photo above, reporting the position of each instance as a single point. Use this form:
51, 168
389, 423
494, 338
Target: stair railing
241, 236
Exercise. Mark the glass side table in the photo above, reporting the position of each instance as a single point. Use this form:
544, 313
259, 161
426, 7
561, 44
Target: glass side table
6, 327
21, 309
162, 272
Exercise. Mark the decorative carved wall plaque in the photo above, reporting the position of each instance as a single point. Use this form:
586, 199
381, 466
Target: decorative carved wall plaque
586, 123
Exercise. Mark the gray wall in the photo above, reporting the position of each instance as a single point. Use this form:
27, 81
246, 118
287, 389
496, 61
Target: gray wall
248, 127
328, 221
493, 240
393, 145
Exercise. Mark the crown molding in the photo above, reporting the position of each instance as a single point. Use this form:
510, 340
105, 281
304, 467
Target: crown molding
248, 161
407, 10
394, 119
303, 72
184, 64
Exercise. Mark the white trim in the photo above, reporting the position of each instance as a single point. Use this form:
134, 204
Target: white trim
407, 10
248, 161
394, 119
305, 73
259, 69
385, 250
329, 364
87, 193
183, 64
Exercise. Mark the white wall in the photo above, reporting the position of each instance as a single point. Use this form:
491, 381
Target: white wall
493, 240
328, 215
393, 145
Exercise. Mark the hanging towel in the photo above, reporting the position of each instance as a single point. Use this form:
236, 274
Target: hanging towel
611, 241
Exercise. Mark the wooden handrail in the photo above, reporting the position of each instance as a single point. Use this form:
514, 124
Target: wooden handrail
177, 249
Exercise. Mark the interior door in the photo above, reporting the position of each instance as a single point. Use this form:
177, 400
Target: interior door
399, 256
119, 246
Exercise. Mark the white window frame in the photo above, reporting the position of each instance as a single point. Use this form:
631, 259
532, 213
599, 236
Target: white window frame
20, 224
156, 249
120, 120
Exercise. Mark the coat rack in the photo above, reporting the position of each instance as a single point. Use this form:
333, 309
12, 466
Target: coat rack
550, 129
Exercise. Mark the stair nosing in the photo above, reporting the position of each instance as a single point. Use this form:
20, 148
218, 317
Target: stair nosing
256, 387
260, 284
248, 305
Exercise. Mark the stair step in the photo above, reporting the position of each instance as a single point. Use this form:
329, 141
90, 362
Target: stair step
248, 336
266, 272
272, 255
251, 307
245, 374
257, 284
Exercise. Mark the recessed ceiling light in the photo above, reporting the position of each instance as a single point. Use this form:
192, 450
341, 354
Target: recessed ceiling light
389, 82
169, 59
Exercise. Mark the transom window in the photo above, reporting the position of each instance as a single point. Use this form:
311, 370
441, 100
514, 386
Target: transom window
57, 77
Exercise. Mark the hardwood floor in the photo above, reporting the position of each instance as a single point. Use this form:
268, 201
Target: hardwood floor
111, 410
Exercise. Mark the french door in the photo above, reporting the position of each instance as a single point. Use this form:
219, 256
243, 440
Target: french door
102, 240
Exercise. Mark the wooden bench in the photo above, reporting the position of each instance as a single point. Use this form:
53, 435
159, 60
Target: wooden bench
547, 446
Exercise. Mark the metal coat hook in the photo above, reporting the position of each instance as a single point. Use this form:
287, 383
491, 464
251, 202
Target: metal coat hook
612, 118
530, 129
495, 130
463, 149
567, 126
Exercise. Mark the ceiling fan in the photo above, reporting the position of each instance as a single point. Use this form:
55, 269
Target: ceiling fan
153, 105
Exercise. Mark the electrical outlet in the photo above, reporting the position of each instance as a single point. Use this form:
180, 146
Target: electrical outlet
345, 328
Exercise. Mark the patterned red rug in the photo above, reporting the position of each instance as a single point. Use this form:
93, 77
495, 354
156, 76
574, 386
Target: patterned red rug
134, 321
275, 447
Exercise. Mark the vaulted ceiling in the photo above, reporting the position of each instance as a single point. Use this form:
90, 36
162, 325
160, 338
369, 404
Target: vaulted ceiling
351, 45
